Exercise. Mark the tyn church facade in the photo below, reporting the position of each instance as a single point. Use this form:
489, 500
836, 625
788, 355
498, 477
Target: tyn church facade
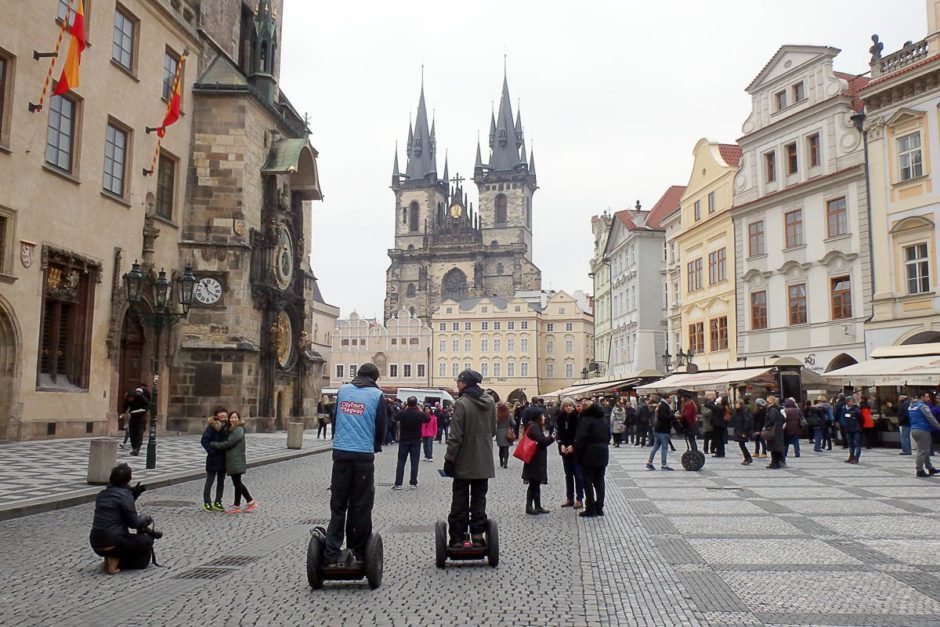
443, 248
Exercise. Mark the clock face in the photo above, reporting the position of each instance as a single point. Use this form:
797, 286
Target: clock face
456, 211
283, 259
208, 291
283, 339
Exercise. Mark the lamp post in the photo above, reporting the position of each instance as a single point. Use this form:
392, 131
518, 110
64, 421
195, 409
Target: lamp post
160, 318
666, 360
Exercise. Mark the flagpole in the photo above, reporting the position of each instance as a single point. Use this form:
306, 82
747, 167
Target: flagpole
33, 108
169, 103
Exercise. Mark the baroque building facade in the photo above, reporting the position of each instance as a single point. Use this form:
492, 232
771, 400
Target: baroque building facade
600, 277
901, 127
443, 249
800, 221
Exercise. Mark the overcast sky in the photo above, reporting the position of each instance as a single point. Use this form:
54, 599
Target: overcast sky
614, 97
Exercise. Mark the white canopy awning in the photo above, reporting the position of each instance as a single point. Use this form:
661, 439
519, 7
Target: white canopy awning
718, 380
580, 391
893, 371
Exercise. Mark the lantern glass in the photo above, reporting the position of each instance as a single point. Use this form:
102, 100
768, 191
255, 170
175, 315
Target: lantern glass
161, 289
187, 287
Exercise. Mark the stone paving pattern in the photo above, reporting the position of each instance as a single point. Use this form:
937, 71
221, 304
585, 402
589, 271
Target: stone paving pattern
820, 543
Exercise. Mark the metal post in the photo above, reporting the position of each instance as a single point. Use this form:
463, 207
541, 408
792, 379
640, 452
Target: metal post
152, 438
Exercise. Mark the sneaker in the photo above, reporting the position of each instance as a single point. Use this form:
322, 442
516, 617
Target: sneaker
252, 506
932, 471
235, 509
413, 487
921, 473
396, 487
218, 507
207, 507
665, 468
477, 539
650, 466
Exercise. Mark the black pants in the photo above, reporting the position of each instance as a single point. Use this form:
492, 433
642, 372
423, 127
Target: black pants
776, 458
718, 441
747, 454
137, 424
594, 487
642, 432
760, 445
467, 508
871, 437
504, 455
406, 449
707, 441
352, 494
219, 479
240, 490
533, 496
321, 428
618, 438
690, 440
134, 552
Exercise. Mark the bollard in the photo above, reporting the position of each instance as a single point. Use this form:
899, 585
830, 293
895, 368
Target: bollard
101, 459
295, 434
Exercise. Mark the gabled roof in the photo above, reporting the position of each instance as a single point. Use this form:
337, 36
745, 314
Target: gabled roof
730, 153
667, 203
829, 50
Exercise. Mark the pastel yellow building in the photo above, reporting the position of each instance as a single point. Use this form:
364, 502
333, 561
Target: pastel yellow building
705, 248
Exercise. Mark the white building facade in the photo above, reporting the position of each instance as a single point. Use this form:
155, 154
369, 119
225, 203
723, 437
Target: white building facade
600, 275
400, 349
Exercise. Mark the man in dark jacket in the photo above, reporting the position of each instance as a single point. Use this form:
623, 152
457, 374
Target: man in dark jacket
719, 425
644, 420
469, 458
592, 454
136, 407
852, 423
215, 460
410, 420
115, 516
358, 431
535, 411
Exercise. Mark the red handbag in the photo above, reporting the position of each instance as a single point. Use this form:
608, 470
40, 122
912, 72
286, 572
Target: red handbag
525, 450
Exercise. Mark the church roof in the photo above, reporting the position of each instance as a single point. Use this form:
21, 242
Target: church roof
422, 159
730, 153
505, 155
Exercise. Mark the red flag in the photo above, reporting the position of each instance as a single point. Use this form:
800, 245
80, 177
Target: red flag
69, 78
173, 107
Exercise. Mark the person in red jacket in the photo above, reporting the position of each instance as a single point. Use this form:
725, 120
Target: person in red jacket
690, 420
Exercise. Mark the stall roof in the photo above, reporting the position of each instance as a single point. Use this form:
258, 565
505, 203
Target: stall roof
704, 381
579, 391
913, 370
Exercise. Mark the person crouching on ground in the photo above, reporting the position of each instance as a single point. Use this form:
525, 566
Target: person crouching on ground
592, 454
566, 425
469, 458
504, 433
359, 428
428, 431
410, 421
215, 461
115, 516
535, 473
235, 464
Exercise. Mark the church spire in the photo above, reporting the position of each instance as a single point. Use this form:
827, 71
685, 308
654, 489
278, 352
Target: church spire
505, 150
396, 174
532, 162
478, 163
446, 172
421, 157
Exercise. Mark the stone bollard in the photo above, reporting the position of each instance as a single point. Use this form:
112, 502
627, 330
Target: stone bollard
295, 434
101, 459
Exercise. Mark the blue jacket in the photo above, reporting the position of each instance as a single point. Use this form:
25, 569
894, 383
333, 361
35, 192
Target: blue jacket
921, 416
851, 419
360, 424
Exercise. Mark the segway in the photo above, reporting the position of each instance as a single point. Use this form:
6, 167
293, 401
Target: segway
692, 460
489, 550
318, 572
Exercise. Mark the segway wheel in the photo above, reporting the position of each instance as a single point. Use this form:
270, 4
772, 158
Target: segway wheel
315, 558
440, 544
693, 460
492, 543
374, 560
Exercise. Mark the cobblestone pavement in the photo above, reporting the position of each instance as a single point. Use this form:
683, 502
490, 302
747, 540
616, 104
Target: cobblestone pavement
821, 543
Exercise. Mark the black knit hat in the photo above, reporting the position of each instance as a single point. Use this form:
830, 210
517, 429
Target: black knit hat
470, 377
369, 371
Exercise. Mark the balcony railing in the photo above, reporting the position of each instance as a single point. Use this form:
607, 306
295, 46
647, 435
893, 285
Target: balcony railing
907, 55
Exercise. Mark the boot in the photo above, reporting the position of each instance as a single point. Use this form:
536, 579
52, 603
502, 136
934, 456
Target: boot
537, 506
598, 510
528, 507
111, 565
588, 512
850, 460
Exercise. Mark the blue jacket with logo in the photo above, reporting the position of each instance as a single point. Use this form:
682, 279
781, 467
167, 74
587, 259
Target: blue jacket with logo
921, 416
360, 424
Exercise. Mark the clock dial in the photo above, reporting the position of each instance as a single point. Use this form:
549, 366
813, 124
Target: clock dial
283, 339
284, 259
456, 210
208, 291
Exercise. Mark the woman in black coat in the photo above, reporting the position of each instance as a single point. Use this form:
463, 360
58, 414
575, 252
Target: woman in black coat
535, 473
592, 454
743, 424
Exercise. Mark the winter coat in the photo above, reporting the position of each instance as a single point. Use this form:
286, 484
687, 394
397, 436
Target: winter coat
429, 429
234, 447
618, 420
470, 440
777, 420
115, 514
743, 424
591, 448
502, 429
793, 417
852, 419
643, 416
215, 458
532, 412
867, 421
411, 423
904, 420
663, 423
709, 411
920, 416
689, 417
565, 428
537, 468
760, 414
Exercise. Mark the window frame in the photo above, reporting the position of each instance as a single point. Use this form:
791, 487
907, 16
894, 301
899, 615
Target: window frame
501, 210
696, 337
770, 166
77, 344
393, 371
841, 217
160, 198
913, 164
754, 239
126, 165
814, 150
340, 371
758, 306
166, 85
718, 334
697, 210
129, 17
7, 76
797, 306
421, 371
798, 91
406, 371
921, 266
792, 152
780, 100
73, 134
840, 298
711, 202
799, 236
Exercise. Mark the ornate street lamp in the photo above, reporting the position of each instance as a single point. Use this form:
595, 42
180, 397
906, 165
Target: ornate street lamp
666, 361
160, 318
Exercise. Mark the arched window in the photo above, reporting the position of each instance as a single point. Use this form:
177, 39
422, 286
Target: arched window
454, 285
411, 290
404, 215
413, 214
501, 209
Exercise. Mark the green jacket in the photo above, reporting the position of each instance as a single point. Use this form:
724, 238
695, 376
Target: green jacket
470, 441
234, 447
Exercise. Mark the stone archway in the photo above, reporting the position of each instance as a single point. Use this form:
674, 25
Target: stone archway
493, 395
280, 410
924, 337
454, 285
840, 361
9, 375
517, 395
131, 364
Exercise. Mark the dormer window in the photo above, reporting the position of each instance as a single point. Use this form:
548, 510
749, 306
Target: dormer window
798, 93
780, 100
